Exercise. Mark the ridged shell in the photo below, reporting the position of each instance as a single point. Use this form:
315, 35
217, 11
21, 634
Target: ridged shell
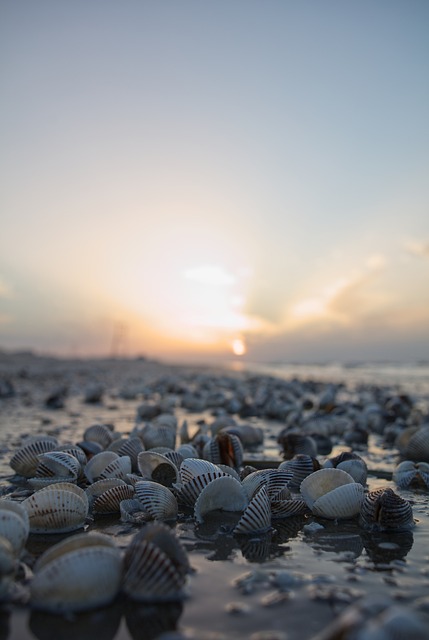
321, 482
223, 493
288, 508
42, 483
297, 443
383, 510
193, 467
175, 457
341, 503
224, 448
158, 435
109, 501
188, 493
412, 475
14, 524
7, 567
24, 462
54, 510
99, 433
67, 486
77, 581
417, 448
275, 479
156, 467
78, 541
187, 451
57, 463
128, 447
118, 468
75, 451
352, 464
157, 500
300, 466
257, 515
98, 463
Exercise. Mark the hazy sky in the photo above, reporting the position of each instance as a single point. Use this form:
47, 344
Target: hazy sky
177, 175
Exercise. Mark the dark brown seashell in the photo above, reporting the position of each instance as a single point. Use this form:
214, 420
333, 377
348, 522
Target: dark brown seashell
384, 510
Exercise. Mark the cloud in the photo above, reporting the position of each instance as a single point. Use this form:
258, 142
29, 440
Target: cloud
5, 289
420, 249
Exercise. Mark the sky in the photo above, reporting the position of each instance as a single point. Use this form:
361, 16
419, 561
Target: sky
195, 179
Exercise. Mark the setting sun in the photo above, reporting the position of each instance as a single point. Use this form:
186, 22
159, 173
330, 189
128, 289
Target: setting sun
238, 347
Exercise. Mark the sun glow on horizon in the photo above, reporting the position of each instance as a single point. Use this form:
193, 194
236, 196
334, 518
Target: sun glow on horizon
238, 347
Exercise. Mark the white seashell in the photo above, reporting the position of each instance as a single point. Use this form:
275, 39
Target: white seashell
320, 482
175, 457
188, 493
412, 475
95, 467
193, 467
223, 493
128, 447
157, 500
352, 464
75, 451
257, 515
118, 468
67, 486
229, 471
158, 435
300, 466
417, 447
54, 510
187, 450
41, 483
58, 463
78, 541
99, 433
79, 580
24, 462
14, 524
156, 467
340, 503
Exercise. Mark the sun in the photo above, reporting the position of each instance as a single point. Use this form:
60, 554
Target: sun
238, 347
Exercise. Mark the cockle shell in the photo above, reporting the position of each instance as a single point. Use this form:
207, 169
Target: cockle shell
57, 509
118, 468
412, 475
7, 566
257, 515
157, 500
288, 508
155, 566
99, 433
58, 464
156, 467
417, 447
14, 524
95, 467
276, 479
77, 541
158, 435
128, 447
187, 451
352, 464
25, 461
224, 493
188, 493
132, 511
300, 466
224, 448
332, 493
384, 510
193, 467
77, 580
75, 451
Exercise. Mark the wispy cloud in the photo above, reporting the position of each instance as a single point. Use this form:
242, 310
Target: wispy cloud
420, 249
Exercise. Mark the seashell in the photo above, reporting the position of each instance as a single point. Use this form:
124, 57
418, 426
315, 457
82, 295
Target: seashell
41, 483
276, 479
417, 447
14, 525
57, 509
131, 510
75, 451
288, 508
193, 467
332, 493
90, 448
187, 451
95, 467
78, 541
300, 466
156, 467
118, 468
158, 435
155, 566
250, 437
224, 448
175, 457
188, 493
99, 433
383, 510
352, 464
412, 475
25, 461
293, 443
229, 471
77, 580
109, 501
93, 393
257, 515
128, 447
7, 567
157, 500
57, 463
224, 493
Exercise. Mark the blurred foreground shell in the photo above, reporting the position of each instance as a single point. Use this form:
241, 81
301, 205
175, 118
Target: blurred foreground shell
414, 444
76, 575
332, 493
14, 524
59, 508
384, 510
412, 475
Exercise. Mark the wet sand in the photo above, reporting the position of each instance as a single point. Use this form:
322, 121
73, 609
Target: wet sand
292, 583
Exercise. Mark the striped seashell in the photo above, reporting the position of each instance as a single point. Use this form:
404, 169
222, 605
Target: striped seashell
300, 466
383, 510
158, 435
67, 486
224, 493
78, 541
156, 467
288, 508
54, 510
255, 550
224, 448
118, 468
229, 471
188, 493
95, 467
57, 463
352, 464
75, 451
96, 489
332, 494
175, 457
78, 580
157, 500
14, 525
417, 448
257, 515
130, 447
155, 566
254, 481
278, 484
25, 461
275, 479
109, 501
40, 483
131, 510
187, 450
412, 475
99, 433
193, 467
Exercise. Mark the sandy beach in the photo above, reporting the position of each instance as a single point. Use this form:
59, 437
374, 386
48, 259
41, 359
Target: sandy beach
290, 584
